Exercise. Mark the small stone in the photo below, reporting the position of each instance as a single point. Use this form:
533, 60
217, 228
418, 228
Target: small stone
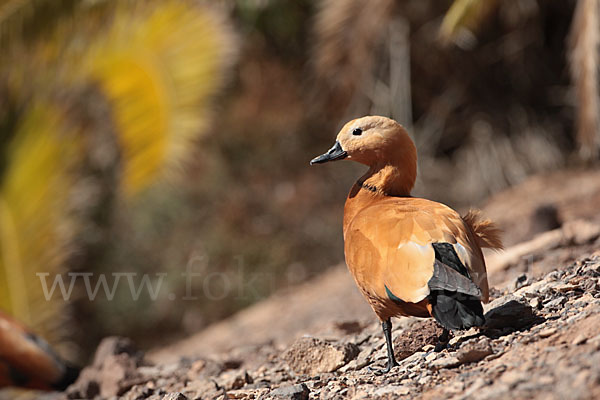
579, 339
574, 318
361, 361
446, 362
554, 275
312, 356
244, 394
555, 303
351, 366
473, 352
204, 368
590, 286
392, 390
236, 379
428, 347
534, 302
175, 396
202, 387
566, 288
454, 340
414, 359
547, 332
430, 357
292, 392
424, 380
258, 385
363, 358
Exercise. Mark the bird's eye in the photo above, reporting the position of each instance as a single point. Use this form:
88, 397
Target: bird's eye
357, 131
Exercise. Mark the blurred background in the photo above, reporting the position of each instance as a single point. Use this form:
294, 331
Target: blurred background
162, 136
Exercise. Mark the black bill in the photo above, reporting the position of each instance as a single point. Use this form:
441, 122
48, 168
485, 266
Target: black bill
335, 153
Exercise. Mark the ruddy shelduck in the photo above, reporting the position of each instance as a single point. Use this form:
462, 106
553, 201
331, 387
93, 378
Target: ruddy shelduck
28, 361
409, 256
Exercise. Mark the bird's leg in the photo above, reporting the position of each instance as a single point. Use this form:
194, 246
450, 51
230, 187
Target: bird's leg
387, 332
442, 341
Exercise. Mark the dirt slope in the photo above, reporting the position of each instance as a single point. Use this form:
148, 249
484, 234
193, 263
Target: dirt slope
541, 341
318, 340
311, 308
317, 306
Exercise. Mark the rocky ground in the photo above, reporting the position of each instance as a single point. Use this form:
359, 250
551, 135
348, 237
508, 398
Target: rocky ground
319, 340
541, 340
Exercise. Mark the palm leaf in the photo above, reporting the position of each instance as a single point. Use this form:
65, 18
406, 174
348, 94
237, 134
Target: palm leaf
157, 66
464, 15
160, 70
33, 199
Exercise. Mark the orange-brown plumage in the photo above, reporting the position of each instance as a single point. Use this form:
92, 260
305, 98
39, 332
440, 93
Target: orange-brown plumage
408, 256
27, 361
394, 252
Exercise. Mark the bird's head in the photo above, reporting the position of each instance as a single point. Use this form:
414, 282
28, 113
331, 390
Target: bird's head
373, 141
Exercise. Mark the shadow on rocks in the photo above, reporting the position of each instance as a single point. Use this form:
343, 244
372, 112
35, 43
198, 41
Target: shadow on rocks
509, 314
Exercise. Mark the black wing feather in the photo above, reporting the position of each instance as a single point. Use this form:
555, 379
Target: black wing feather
454, 298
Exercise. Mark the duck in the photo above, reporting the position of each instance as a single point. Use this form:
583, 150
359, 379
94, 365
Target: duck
27, 361
408, 256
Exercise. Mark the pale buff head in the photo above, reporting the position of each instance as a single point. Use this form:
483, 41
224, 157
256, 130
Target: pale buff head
377, 142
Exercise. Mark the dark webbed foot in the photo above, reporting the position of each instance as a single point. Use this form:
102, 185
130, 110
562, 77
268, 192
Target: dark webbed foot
442, 341
387, 332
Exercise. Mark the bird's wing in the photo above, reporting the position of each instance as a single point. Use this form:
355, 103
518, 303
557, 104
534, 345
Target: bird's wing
389, 250
447, 278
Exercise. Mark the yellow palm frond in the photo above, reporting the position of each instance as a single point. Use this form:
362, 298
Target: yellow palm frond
159, 69
464, 15
157, 66
33, 209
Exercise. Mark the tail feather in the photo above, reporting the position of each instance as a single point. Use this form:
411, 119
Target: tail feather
487, 233
455, 311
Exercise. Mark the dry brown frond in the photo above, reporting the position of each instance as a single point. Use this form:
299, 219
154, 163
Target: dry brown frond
583, 41
346, 33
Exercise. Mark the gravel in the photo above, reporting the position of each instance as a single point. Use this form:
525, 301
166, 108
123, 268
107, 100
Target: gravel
541, 341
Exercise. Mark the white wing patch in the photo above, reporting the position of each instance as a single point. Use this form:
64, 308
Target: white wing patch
463, 254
